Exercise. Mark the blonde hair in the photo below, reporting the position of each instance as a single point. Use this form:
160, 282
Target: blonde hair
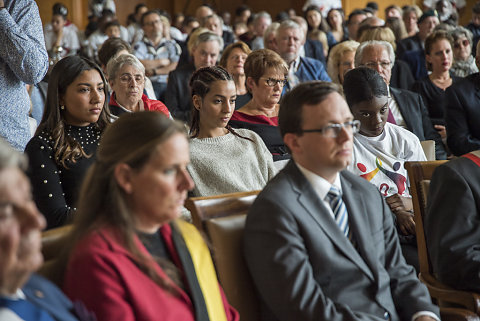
336, 54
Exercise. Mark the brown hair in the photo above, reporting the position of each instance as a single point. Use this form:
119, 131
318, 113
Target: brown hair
259, 61
226, 53
53, 122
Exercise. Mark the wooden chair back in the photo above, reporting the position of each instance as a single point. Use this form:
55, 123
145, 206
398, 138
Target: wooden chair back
222, 219
205, 208
52, 244
420, 174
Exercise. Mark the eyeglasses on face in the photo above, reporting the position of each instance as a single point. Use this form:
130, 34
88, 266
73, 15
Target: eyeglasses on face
461, 43
334, 130
127, 78
271, 82
382, 64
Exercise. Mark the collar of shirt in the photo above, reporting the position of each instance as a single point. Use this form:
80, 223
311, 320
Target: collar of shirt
19, 295
294, 64
320, 185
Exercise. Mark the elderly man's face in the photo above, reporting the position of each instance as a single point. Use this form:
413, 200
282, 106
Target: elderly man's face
288, 42
20, 230
376, 57
214, 25
152, 26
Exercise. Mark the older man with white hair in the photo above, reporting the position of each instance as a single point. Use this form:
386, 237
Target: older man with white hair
289, 40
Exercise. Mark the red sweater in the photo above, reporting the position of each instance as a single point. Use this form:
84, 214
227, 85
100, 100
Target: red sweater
148, 104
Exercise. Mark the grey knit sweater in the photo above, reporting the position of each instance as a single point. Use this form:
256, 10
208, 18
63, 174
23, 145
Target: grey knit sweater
229, 163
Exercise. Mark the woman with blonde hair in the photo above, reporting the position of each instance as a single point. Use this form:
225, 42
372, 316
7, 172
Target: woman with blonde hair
341, 60
129, 257
233, 60
66, 140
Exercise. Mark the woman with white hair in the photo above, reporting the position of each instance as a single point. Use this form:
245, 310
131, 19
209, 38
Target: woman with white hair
126, 75
463, 61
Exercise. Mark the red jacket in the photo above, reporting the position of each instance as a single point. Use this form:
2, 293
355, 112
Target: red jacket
103, 275
148, 104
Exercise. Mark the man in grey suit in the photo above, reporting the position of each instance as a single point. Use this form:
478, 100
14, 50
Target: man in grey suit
305, 266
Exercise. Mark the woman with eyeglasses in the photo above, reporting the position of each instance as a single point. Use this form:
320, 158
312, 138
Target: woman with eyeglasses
223, 160
126, 75
379, 148
265, 73
463, 61
439, 58
66, 140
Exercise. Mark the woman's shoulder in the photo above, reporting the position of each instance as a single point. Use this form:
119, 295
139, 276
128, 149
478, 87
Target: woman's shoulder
42, 141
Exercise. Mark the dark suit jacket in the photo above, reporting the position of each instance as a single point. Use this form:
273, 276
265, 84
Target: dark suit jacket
401, 75
305, 268
409, 44
452, 223
314, 49
462, 115
46, 296
177, 96
415, 114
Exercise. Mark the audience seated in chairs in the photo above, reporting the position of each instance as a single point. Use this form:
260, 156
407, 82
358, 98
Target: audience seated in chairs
380, 150
223, 160
25, 295
265, 73
66, 140
129, 257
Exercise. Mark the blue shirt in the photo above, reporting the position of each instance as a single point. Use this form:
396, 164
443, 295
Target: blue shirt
23, 59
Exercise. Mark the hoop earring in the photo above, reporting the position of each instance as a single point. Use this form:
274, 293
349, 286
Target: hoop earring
62, 107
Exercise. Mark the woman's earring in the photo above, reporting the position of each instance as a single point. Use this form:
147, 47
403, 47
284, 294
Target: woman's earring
62, 107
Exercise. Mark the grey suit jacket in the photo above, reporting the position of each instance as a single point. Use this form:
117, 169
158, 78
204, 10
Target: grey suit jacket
304, 268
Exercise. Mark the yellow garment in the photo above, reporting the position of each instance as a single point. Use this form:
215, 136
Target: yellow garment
204, 269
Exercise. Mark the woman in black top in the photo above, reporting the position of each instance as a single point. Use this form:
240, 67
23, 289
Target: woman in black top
66, 140
439, 58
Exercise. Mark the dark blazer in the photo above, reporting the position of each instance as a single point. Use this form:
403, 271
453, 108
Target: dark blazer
412, 43
306, 269
452, 223
462, 115
177, 96
45, 295
401, 75
314, 49
415, 114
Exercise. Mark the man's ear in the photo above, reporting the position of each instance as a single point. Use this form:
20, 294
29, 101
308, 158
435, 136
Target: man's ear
123, 176
197, 102
291, 140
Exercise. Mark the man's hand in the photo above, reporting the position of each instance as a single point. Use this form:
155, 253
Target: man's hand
441, 130
405, 222
399, 203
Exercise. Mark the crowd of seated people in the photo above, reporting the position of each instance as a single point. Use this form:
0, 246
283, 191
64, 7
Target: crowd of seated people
102, 161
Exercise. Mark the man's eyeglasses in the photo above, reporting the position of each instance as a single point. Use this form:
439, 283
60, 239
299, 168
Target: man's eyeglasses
334, 129
463, 43
126, 79
271, 82
382, 64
